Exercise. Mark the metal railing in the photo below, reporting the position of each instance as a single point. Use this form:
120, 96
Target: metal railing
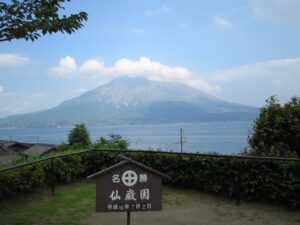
152, 152
50, 160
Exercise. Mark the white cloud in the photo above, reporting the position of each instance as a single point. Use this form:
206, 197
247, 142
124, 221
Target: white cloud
275, 69
278, 10
15, 107
138, 30
13, 103
92, 66
164, 9
1, 90
81, 90
66, 67
13, 60
256, 82
183, 25
223, 23
143, 67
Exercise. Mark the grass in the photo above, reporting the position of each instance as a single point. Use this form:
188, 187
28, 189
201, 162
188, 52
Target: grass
68, 206
74, 204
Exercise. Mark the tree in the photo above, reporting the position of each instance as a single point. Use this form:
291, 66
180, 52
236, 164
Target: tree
276, 131
28, 19
79, 136
115, 141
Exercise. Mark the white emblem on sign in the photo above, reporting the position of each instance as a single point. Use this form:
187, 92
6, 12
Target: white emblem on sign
129, 178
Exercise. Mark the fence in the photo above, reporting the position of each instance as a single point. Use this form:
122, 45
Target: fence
242, 177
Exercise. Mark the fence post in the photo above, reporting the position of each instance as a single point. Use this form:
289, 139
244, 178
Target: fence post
237, 180
52, 177
238, 188
94, 161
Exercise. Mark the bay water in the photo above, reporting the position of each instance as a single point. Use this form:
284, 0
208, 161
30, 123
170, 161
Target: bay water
220, 137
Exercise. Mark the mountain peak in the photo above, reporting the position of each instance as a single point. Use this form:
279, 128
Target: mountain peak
136, 100
131, 81
133, 91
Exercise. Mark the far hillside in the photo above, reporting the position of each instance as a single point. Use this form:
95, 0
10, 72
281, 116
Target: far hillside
136, 101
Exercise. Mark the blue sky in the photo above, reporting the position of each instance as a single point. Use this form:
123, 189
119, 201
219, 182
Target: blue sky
238, 50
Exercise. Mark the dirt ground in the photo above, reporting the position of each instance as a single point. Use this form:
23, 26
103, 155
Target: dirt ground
185, 207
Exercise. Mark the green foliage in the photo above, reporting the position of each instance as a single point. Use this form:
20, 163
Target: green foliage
64, 147
247, 179
69, 206
18, 159
115, 141
22, 180
276, 131
29, 19
79, 136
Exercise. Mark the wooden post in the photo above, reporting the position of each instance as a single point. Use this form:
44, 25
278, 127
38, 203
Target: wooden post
128, 217
52, 177
238, 188
94, 162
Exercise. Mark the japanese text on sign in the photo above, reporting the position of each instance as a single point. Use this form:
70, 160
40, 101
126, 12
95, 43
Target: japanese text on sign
130, 178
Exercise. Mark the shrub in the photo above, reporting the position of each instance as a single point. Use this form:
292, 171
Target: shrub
276, 131
115, 141
245, 179
79, 136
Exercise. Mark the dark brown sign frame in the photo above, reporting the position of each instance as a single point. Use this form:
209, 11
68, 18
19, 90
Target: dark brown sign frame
128, 186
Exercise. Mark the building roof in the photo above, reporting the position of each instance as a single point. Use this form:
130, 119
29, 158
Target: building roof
13, 143
6, 154
28, 147
5, 150
127, 161
39, 150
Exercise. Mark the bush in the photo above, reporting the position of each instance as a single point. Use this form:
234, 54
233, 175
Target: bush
246, 179
115, 141
79, 136
276, 131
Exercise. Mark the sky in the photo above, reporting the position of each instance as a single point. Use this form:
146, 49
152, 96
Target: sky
241, 51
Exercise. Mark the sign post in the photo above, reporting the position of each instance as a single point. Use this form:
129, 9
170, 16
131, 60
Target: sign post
127, 187
128, 217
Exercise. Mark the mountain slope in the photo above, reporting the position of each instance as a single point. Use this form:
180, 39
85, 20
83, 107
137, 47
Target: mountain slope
136, 100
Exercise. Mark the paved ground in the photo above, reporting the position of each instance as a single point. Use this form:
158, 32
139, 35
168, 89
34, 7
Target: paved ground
182, 207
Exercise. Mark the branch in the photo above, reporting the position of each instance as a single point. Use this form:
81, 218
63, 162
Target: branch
7, 39
29, 19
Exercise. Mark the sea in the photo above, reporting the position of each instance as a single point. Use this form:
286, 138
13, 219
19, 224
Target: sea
204, 137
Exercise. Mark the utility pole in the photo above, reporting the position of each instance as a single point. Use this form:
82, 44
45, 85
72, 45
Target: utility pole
181, 140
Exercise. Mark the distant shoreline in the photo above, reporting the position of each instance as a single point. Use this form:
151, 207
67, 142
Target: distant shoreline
125, 124
223, 137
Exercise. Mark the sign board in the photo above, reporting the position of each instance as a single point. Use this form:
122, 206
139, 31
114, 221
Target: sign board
128, 186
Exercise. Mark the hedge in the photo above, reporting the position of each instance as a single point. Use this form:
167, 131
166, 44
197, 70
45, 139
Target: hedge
240, 178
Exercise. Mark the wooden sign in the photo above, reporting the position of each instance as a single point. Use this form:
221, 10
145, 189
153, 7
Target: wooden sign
128, 186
